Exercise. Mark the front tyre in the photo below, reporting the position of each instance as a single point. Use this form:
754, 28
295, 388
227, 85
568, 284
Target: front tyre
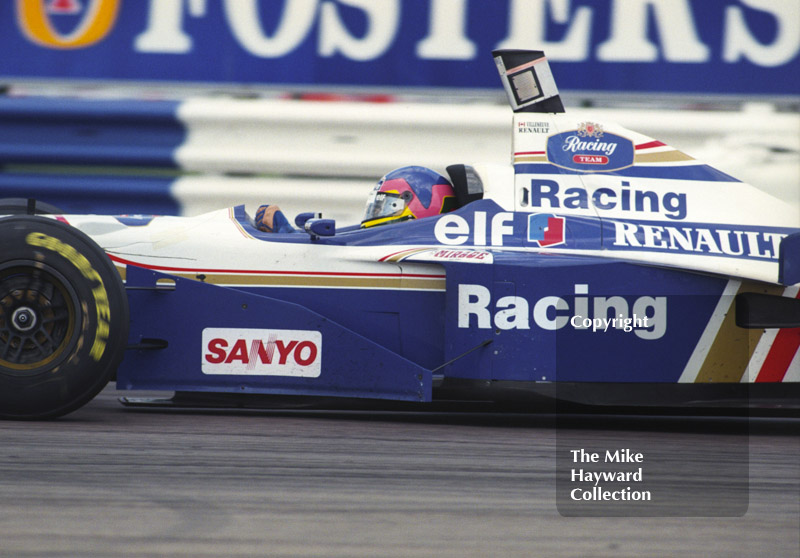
63, 318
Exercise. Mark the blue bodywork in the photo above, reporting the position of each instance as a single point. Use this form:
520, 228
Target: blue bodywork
520, 318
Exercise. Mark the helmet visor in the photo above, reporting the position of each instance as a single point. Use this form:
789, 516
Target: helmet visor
381, 205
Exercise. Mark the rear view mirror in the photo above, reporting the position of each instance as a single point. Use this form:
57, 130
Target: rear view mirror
320, 227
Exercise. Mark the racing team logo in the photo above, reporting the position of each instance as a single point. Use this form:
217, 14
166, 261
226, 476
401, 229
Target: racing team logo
590, 149
262, 352
545, 229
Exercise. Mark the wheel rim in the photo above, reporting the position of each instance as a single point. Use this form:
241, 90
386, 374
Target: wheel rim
39, 322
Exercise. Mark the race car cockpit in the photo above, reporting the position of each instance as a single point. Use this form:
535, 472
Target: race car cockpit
403, 194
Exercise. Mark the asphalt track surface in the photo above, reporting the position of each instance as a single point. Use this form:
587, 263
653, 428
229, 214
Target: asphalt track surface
111, 481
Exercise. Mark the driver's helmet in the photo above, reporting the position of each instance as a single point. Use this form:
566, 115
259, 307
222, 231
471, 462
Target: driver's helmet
408, 193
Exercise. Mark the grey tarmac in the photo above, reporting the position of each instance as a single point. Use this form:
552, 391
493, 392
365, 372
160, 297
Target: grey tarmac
109, 481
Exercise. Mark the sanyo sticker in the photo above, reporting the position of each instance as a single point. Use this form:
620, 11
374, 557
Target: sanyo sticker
262, 352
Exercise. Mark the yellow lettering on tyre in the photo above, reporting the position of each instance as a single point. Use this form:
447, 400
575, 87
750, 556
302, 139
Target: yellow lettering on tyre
96, 24
98, 290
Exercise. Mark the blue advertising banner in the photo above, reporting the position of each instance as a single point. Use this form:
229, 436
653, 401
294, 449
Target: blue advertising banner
739, 47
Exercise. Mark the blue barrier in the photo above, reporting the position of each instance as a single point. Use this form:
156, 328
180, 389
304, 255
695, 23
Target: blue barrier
104, 194
89, 132
80, 154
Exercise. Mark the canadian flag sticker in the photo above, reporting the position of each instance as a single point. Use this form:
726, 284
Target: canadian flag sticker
262, 352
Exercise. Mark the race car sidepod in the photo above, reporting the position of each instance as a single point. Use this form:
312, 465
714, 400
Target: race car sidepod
220, 339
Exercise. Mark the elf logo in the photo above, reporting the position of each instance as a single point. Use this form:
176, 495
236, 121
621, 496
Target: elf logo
262, 352
545, 229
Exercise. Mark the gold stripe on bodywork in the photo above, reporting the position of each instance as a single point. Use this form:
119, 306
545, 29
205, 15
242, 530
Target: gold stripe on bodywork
406, 254
325, 281
673, 156
400, 282
733, 347
662, 157
530, 159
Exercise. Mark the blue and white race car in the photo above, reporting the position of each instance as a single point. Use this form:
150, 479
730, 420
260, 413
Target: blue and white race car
599, 267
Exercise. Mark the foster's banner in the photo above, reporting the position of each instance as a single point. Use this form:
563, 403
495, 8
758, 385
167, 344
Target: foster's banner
740, 47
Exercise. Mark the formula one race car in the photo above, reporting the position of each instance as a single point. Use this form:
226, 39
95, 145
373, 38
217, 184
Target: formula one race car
600, 267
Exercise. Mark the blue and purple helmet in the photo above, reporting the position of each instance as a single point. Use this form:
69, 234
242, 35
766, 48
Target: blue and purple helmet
408, 193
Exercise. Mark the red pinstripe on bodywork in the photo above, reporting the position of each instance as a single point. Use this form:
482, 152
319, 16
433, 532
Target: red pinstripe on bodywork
780, 355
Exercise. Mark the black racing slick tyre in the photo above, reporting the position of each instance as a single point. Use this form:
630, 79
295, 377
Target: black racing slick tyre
63, 318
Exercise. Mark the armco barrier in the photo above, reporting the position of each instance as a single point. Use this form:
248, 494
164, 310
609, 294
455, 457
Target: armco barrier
120, 156
338, 138
90, 155
48, 131
112, 194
